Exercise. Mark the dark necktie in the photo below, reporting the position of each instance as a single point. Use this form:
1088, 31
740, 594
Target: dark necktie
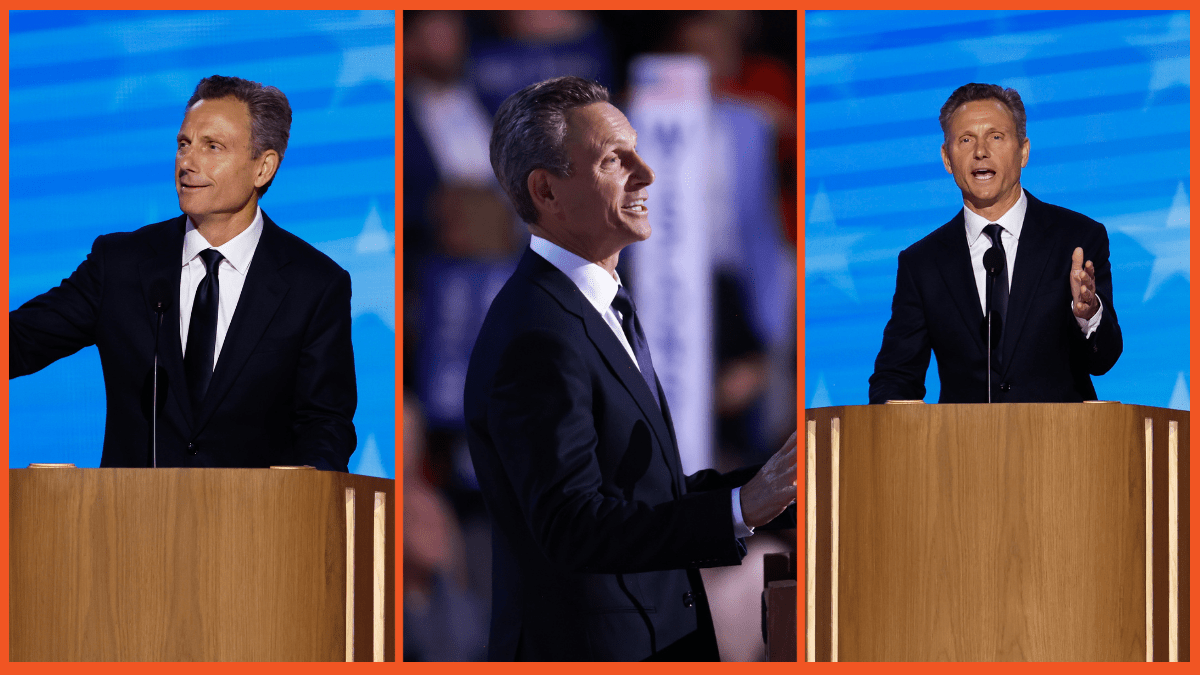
1000, 289
202, 331
637, 339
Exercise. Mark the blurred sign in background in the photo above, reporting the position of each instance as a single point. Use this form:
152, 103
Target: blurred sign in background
1107, 96
95, 101
733, 201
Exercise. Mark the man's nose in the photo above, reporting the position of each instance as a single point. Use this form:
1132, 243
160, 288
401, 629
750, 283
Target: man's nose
643, 175
183, 159
981, 148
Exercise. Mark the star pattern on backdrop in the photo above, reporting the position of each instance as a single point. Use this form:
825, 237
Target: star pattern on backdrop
827, 247
1167, 71
370, 258
1166, 235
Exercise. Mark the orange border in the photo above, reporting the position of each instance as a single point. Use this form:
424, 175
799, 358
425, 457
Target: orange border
443, 668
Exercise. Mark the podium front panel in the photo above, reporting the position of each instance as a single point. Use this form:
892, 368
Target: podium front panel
1012, 532
187, 565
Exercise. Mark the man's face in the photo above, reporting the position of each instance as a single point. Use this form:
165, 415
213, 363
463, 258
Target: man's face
602, 200
215, 168
983, 153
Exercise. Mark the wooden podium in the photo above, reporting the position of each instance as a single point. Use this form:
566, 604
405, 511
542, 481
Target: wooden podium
200, 565
1003, 532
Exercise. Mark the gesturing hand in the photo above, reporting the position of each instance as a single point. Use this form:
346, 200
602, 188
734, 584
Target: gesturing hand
1084, 302
772, 489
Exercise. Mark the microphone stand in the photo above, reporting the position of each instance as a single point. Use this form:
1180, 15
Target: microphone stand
158, 311
991, 283
991, 265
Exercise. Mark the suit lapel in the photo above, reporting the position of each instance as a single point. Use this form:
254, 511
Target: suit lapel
261, 296
959, 277
550, 278
160, 273
673, 458
1033, 262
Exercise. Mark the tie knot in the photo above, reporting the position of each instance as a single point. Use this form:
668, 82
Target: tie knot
622, 302
211, 257
993, 231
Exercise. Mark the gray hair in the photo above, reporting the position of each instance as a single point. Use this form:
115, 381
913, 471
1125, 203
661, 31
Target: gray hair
975, 91
528, 134
270, 114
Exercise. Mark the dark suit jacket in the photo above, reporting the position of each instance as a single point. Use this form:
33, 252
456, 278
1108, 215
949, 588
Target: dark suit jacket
1044, 354
283, 390
597, 532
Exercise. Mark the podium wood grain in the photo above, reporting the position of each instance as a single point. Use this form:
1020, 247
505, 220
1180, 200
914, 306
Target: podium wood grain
185, 564
989, 533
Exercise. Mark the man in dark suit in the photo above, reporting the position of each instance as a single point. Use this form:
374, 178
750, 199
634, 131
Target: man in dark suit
598, 534
252, 325
1053, 321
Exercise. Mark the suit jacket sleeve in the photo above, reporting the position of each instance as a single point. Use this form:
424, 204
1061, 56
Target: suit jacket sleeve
903, 359
59, 322
1105, 344
326, 394
542, 414
711, 479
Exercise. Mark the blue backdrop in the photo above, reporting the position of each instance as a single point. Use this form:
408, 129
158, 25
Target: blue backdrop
1107, 100
95, 101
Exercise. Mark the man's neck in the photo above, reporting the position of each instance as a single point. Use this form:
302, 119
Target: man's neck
608, 262
993, 211
219, 228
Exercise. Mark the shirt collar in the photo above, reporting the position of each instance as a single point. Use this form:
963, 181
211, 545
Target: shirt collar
1012, 220
238, 251
596, 284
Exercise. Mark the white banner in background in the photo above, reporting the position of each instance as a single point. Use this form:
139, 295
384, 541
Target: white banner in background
669, 109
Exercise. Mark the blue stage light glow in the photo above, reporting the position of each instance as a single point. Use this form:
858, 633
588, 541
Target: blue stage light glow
1107, 96
96, 99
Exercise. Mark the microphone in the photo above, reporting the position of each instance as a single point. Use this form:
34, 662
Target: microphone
992, 259
160, 301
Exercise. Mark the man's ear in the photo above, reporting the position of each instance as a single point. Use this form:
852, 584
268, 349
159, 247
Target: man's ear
268, 164
946, 160
541, 190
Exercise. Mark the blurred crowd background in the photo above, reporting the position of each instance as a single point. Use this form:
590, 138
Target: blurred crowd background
462, 240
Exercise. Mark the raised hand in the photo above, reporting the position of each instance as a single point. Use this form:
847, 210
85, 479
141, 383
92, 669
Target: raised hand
772, 489
1084, 302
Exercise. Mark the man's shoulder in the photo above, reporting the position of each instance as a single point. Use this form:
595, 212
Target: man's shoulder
936, 243
148, 239
307, 258
1054, 214
533, 296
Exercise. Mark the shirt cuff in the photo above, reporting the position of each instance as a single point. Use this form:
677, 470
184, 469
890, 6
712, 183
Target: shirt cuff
740, 529
1089, 326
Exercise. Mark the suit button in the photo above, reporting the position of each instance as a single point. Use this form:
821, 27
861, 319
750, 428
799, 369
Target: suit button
689, 599
192, 449
1006, 387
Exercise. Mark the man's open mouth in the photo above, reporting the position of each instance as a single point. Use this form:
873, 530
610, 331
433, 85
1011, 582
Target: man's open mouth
983, 174
637, 206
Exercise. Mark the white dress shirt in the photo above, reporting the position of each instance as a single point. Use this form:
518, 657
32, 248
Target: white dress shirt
600, 287
1012, 221
231, 276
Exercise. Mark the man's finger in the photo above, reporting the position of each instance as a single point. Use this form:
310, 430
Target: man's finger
1077, 259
